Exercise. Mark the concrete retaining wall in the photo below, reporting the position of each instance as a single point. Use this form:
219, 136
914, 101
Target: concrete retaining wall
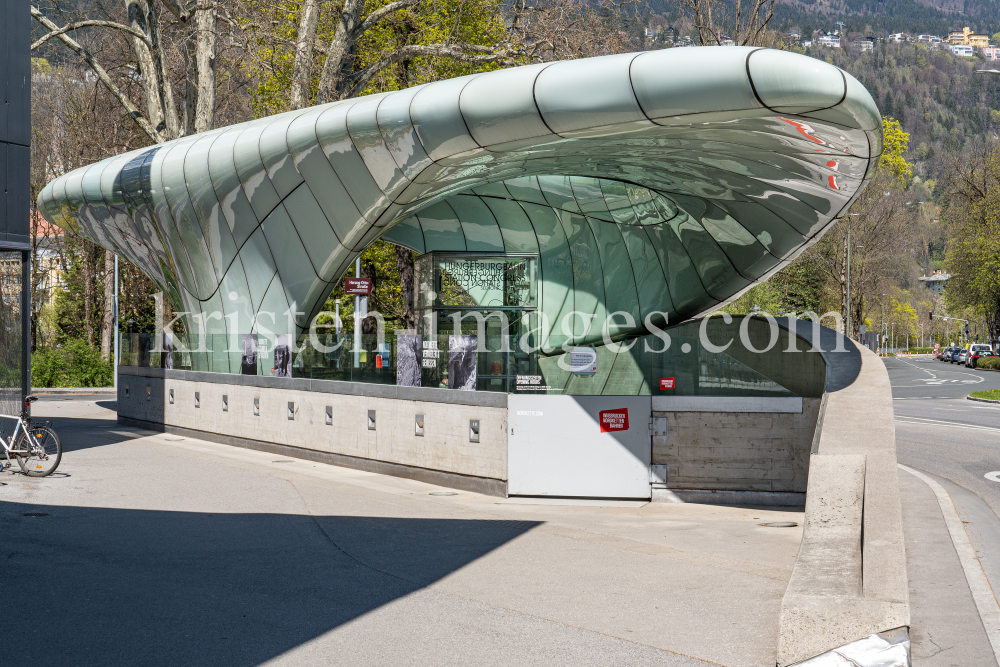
849, 580
735, 447
445, 447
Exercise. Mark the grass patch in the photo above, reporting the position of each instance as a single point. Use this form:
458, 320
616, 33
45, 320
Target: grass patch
992, 394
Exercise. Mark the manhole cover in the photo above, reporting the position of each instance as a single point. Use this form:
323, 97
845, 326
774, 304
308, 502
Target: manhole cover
780, 524
286, 461
36, 514
443, 493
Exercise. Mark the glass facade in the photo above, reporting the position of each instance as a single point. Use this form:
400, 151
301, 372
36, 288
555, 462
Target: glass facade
647, 366
634, 191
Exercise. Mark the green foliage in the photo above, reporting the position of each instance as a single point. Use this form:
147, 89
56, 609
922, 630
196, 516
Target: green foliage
973, 257
75, 364
475, 22
795, 289
895, 146
905, 317
378, 262
992, 364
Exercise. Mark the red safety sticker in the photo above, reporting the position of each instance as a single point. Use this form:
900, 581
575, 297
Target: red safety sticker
666, 383
614, 420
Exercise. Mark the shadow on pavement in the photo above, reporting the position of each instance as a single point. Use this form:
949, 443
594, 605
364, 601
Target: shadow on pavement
100, 586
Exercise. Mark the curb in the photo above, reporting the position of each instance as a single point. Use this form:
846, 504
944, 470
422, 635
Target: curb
981, 400
82, 391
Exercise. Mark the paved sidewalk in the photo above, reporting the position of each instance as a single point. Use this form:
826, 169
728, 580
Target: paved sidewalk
946, 630
165, 550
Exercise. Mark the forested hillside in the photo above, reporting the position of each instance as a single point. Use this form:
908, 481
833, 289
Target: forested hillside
933, 94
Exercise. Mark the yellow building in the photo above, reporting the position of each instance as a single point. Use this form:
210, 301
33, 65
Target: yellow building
966, 36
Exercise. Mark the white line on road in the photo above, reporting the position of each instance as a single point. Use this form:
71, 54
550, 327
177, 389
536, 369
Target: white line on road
993, 476
982, 592
921, 421
976, 378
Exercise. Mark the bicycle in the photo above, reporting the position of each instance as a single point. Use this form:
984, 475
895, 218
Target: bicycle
34, 444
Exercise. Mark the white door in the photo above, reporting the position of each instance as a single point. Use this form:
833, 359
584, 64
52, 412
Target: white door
578, 446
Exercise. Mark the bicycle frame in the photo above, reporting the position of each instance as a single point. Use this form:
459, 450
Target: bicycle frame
8, 446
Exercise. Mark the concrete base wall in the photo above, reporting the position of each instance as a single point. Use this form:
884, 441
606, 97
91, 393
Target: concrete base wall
445, 446
738, 451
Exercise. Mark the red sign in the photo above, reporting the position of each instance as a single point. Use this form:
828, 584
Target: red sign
666, 383
614, 420
362, 286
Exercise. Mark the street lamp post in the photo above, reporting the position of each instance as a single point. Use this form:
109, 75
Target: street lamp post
114, 315
848, 321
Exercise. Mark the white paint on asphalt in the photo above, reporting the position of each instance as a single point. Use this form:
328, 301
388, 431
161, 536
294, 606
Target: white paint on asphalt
993, 476
934, 380
982, 592
923, 421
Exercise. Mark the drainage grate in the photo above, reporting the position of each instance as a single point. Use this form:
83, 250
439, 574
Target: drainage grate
780, 524
443, 493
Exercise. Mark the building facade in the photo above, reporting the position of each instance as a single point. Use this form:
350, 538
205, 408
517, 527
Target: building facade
581, 202
15, 140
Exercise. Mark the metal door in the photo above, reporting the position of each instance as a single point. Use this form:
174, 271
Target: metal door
564, 446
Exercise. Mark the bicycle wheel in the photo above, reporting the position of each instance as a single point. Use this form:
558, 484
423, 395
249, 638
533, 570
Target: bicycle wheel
45, 448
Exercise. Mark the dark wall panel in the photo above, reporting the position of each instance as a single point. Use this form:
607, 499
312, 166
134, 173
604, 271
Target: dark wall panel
18, 193
15, 121
19, 67
5, 30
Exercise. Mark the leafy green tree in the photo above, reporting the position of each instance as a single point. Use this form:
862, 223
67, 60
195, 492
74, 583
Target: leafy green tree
973, 217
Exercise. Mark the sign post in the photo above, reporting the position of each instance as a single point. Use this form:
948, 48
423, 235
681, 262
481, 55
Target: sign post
360, 288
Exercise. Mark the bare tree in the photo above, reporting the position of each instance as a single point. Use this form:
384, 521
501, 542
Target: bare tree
154, 47
567, 29
877, 236
742, 23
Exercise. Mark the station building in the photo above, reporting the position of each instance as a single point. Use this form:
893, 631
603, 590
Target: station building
573, 221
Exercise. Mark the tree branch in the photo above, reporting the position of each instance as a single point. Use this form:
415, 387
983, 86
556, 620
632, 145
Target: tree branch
381, 13
359, 80
84, 24
123, 99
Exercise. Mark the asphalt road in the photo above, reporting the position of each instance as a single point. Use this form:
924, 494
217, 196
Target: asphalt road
956, 442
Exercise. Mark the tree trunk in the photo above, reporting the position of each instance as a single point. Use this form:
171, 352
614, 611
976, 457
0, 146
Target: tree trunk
190, 84
404, 262
205, 116
139, 14
88, 292
302, 70
107, 328
340, 55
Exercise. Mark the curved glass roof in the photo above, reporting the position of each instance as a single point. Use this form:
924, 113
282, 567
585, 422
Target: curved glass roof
703, 169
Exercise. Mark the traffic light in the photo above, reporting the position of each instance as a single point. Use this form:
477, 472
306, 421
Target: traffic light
930, 315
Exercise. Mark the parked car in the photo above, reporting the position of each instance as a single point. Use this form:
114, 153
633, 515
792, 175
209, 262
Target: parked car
962, 356
943, 353
976, 355
955, 351
975, 351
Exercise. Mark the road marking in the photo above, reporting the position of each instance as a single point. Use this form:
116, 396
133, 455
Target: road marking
979, 585
931, 381
921, 421
993, 476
